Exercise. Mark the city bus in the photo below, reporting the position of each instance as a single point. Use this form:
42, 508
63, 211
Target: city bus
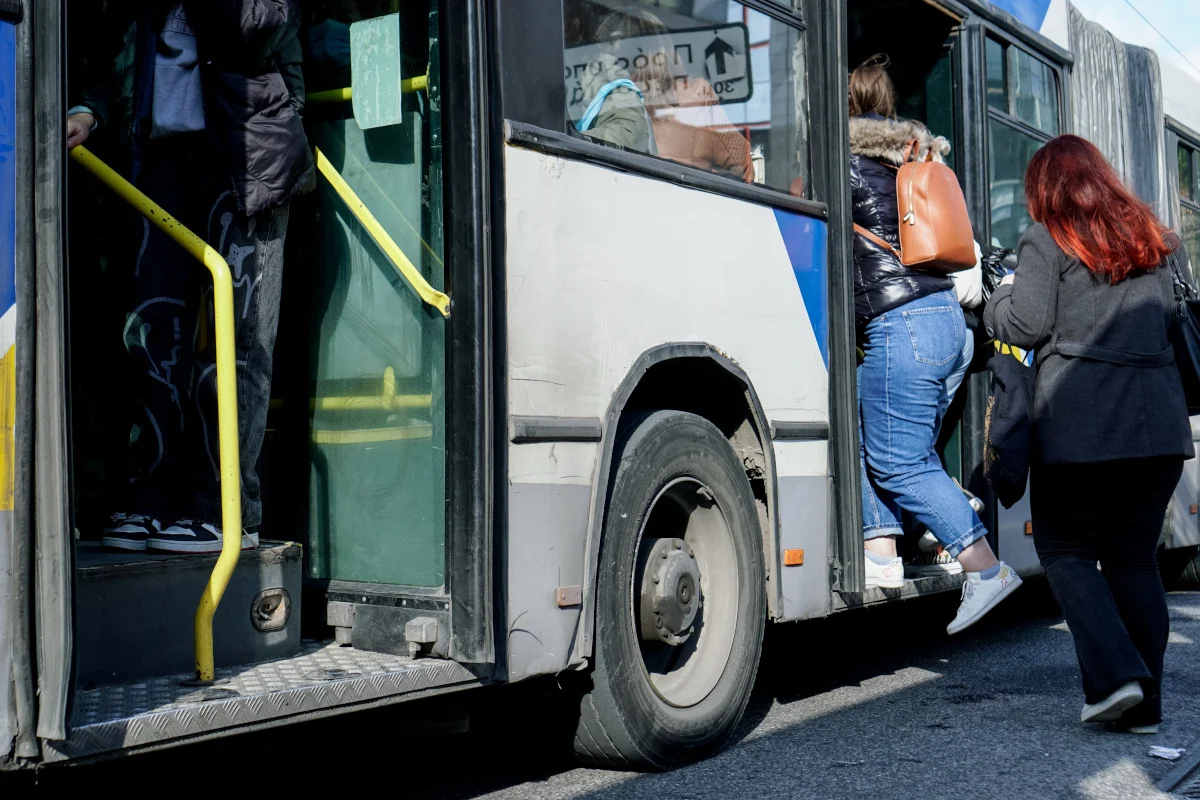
544, 404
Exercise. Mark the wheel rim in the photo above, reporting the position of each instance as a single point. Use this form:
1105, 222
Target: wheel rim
684, 525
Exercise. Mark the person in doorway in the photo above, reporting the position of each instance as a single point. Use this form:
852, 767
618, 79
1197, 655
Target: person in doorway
205, 99
915, 353
1093, 297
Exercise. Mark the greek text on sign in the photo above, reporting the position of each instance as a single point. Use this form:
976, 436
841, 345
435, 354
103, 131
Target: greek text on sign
719, 54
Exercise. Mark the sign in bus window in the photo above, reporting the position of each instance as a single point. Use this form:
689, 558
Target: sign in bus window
720, 88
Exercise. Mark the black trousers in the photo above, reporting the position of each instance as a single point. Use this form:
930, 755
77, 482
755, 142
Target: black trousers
1109, 513
174, 452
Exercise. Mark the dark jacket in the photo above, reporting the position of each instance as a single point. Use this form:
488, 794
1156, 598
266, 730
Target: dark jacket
1107, 387
881, 282
253, 93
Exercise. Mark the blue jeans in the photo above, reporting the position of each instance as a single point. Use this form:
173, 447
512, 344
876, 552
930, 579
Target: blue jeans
915, 359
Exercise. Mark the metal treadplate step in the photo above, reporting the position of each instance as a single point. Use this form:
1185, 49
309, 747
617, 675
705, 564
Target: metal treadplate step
321, 678
913, 587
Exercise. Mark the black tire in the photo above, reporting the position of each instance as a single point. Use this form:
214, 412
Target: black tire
624, 720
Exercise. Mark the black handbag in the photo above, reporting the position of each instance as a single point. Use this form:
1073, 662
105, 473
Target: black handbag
1185, 335
1008, 427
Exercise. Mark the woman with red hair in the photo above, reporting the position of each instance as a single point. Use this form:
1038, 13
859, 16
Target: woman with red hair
1093, 296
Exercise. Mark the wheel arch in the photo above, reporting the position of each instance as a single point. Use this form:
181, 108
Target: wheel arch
659, 379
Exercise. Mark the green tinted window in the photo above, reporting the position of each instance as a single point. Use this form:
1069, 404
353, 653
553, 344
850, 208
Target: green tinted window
997, 76
1187, 182
1011, 151
1190, 230
377, 384
1035, 93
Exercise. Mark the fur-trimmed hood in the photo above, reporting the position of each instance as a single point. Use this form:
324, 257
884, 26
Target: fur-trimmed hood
885, 139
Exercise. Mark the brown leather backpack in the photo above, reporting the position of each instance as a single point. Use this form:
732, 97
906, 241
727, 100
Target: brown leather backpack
935, 230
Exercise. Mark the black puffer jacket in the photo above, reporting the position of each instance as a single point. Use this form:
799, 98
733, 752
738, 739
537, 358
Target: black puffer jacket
253, 93
881, 282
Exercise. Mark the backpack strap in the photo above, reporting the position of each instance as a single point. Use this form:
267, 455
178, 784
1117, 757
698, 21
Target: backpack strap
870, 237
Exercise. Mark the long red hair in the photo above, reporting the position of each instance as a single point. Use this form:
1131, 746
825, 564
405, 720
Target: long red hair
1093, 217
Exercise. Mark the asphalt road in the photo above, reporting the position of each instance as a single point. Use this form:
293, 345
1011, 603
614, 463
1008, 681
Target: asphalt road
871, 704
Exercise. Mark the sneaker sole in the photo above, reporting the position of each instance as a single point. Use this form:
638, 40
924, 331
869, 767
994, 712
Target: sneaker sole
1144, 730
194, 548
929, 571
1113, 706
871, 584
119, 543
1005, 592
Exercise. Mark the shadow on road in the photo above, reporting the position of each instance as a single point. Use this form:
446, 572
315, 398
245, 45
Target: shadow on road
515, 737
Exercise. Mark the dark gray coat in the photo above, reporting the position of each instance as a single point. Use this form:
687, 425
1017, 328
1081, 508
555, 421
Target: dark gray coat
1107, 387
253, 93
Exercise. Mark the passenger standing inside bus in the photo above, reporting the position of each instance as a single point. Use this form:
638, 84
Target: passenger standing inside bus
205, 98
915, 346
1093, 296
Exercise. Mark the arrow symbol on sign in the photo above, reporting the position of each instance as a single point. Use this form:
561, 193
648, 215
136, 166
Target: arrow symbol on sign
718, 49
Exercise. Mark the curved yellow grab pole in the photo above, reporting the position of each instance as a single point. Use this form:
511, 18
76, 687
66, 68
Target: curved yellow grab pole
231, 481
407, 86
405, 267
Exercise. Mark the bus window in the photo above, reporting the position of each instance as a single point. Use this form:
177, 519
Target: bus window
1189, 202
1023, 114
376, 364
721, 88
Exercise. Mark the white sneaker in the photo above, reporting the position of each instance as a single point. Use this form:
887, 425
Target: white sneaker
928, 542
980, 596
193, 536
886, 576
1114, 705
933, 563
129, 531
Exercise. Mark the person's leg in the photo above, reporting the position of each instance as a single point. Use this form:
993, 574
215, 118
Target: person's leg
1129, 559
158, 337
909, 355
254, 249
1067, 534
881, 520
881, 528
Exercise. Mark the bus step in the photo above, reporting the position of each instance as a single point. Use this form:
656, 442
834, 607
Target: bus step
135, 611
918, 587
321, 679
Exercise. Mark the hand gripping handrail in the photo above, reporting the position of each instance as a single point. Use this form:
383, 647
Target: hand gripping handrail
415, 279
231, 488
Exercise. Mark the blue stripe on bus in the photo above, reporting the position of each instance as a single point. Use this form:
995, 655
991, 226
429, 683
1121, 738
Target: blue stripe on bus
8, 170
805, 239
1028, 12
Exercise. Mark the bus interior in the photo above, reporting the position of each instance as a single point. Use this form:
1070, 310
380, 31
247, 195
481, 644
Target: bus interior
352, 466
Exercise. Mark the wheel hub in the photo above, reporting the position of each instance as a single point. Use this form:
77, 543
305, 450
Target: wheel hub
670, 594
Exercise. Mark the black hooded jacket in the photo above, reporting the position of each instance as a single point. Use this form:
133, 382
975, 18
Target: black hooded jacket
881, 282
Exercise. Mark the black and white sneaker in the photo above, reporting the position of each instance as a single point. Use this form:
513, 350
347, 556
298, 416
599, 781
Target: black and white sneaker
194, 536
129, 531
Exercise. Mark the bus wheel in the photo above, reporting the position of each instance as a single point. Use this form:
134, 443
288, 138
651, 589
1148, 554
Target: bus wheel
1180, 568
680, 605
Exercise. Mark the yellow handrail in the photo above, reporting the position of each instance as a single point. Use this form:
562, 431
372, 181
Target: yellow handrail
231, 484
407, 86
415, 279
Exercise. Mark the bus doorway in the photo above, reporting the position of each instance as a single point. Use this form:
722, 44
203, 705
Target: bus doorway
340, 594
923, 45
